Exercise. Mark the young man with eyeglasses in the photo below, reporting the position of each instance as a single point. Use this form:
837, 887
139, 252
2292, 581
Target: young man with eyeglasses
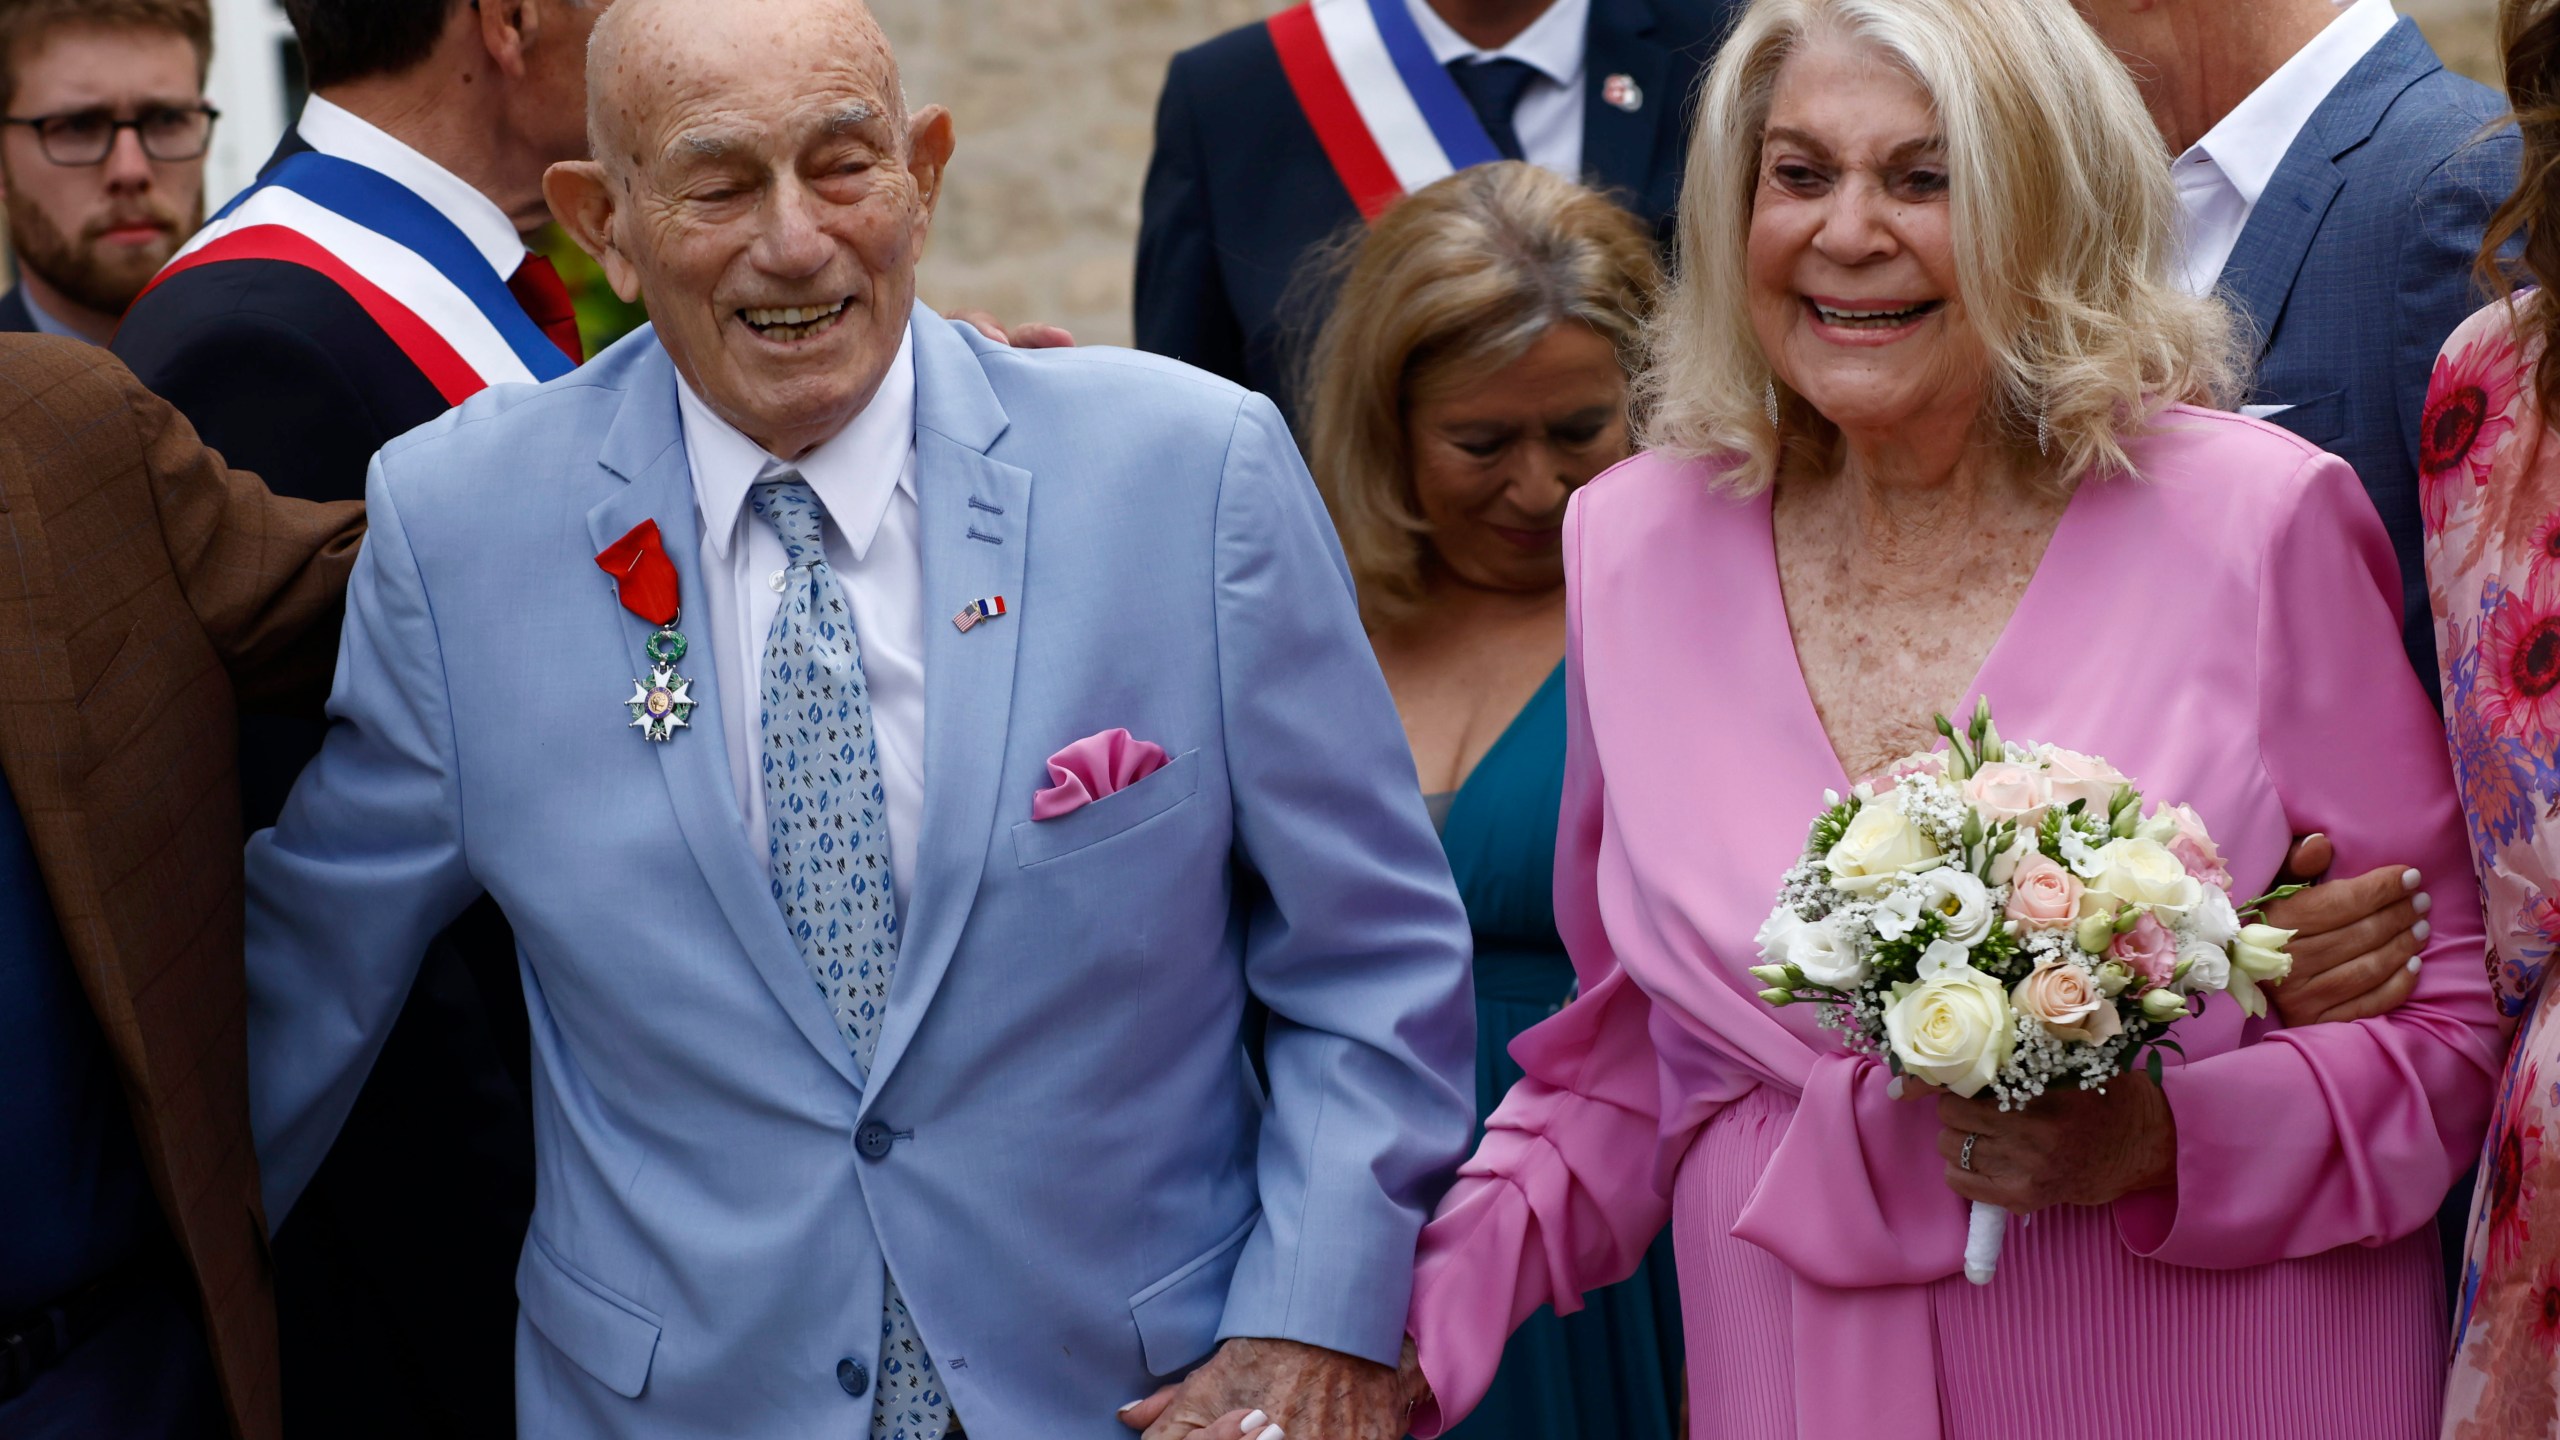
103, 131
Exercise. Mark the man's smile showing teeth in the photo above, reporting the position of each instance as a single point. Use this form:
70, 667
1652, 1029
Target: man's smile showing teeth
793, 322
1872, 316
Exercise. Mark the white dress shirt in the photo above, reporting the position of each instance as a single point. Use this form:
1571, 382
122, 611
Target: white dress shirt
335, 130
2222, 175
1549, 119
865, 480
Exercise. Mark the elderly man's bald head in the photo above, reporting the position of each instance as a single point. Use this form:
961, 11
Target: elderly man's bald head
638, 58
758, 180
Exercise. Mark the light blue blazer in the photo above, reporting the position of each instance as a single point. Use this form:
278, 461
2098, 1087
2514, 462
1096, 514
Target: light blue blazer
1063, 1151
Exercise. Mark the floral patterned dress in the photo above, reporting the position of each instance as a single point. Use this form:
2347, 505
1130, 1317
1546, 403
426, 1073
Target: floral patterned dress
2490, 493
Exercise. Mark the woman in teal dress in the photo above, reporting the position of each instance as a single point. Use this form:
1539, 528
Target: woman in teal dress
1473, 374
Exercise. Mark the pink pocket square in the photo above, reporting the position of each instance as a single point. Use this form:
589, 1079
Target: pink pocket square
1093, 767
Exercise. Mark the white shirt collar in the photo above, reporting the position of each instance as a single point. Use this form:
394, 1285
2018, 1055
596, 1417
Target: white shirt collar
855, 472
335, 130
1553, 45
2250, 142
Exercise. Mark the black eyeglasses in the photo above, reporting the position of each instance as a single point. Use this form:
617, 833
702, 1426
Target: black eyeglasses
88, 137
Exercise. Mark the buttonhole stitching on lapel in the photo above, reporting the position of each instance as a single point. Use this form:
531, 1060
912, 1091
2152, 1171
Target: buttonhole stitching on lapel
977, 504
977, 534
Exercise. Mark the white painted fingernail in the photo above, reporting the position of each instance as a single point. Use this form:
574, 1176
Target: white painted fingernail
1893, 1088
1132, 1405
2421, 930
1273, 1433
2414, 962
2423, 904
2411, 879
1252, 1422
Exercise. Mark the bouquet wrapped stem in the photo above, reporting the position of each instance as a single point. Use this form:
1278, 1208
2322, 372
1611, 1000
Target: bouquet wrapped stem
2011, 917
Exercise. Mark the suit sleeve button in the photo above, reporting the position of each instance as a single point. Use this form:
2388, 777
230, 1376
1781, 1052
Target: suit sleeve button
851, 1375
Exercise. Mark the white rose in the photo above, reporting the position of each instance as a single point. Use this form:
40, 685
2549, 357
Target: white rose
2213, 921
1898, 914
2203, 968
1878, 845
2142, 872
1777, 932
1954, 1030
1826, 957
1962, 901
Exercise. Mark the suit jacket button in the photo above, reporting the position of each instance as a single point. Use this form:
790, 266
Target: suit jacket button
873, 1140
851, 1375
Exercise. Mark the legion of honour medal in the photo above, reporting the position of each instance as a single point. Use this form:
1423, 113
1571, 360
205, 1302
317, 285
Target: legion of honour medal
661, 702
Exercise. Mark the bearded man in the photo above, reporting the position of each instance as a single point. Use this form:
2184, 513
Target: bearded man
1003, 725
103, 156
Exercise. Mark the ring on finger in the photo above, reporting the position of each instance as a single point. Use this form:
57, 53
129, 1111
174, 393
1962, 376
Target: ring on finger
1964, 1157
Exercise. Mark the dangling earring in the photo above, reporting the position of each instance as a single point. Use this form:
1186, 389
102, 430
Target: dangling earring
1769, 400
2044, 433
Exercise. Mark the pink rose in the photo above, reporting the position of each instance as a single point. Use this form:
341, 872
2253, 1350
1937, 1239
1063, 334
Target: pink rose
2003, 791
2194, 847
2043, 895
2064, 998
2074, 776
1927, 762
2148, 950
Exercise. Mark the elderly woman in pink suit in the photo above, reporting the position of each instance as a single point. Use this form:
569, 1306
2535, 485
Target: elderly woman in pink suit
1926, 428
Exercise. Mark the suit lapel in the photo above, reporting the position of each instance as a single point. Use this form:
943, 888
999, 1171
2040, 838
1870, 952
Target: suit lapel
1618, 144
974, 514
2259, 276
646, 449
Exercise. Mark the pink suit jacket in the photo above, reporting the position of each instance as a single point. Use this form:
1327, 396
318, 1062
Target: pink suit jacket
2224, 626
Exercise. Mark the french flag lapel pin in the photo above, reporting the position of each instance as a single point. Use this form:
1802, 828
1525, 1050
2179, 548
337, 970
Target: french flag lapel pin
977, 610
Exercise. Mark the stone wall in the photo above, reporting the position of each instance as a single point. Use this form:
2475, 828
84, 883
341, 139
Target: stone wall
1055, 104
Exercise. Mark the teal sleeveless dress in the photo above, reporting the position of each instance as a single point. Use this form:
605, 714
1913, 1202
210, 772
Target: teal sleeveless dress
1612, 1370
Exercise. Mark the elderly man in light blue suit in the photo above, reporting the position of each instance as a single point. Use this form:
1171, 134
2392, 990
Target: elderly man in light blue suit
888, 1041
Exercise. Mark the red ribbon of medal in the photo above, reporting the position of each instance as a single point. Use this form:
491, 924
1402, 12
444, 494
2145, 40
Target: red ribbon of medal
645, 580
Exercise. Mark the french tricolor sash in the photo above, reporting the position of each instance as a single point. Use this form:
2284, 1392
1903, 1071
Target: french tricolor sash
414, 271
1389, 118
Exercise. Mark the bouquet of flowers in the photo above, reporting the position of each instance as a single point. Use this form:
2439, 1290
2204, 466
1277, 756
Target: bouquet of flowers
2011, 917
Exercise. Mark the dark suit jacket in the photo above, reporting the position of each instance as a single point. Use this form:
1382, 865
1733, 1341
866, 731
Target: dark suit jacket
2357, 263
145, 591
1240, 193
396, 1277
15, 318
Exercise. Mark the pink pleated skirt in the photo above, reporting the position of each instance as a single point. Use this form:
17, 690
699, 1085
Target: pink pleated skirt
2077, 1338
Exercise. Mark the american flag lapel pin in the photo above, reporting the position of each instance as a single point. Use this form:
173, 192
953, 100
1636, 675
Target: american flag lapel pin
977, 610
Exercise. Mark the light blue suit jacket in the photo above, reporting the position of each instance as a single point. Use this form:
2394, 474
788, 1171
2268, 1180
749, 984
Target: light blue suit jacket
1062, 1150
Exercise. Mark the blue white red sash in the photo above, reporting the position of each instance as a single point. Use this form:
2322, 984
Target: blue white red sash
413, 270
1389, 118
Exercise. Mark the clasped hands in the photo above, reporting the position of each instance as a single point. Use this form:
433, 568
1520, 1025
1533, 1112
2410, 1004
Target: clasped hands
1282, 1390
2355, 956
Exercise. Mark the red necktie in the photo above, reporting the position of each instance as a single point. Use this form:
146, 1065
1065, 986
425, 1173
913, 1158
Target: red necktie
538, 288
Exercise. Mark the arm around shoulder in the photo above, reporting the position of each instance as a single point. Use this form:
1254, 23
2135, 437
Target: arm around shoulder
265, 575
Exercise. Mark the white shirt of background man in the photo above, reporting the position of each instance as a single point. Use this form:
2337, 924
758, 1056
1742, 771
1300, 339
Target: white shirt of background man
335, 130
2222, 175
865, 480
1549, 120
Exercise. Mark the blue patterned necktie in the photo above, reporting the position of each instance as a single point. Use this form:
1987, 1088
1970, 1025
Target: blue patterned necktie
826, 817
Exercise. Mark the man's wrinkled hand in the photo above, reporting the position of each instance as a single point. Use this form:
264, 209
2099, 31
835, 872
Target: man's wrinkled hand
1306, 1392
2356, 953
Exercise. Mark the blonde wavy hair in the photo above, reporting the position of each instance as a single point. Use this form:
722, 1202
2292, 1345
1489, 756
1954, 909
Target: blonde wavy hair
2062, 213
1457, 280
